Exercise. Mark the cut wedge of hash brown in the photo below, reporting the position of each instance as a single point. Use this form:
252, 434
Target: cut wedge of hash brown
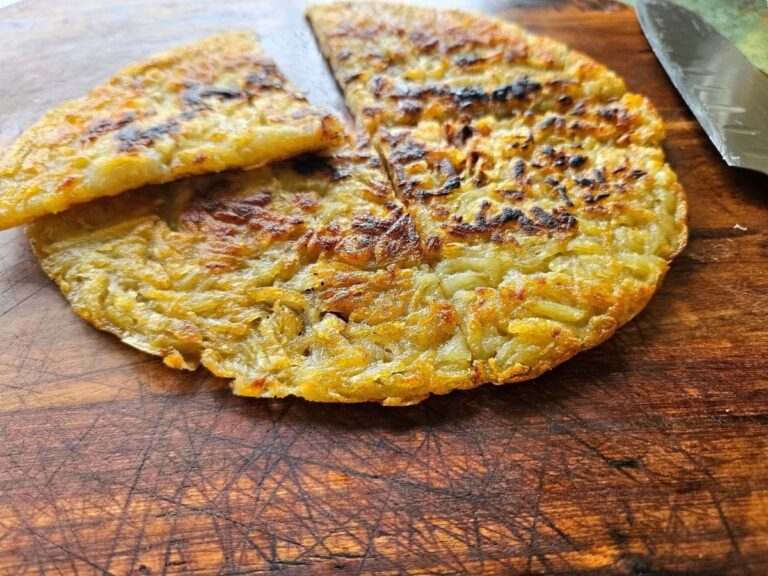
537, 183
303, 277
217, 104
397, 64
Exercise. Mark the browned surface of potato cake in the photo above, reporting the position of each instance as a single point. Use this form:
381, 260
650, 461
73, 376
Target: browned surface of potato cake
303, 277
217, 104
517, 209
537, 183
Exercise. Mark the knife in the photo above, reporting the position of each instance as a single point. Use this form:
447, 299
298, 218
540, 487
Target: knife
726, 93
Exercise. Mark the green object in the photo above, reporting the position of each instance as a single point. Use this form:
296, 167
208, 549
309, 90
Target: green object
743, 22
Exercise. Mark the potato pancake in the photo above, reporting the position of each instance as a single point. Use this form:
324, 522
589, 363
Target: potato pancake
217, 104
303, 277
517, 209
537, 183
397, 64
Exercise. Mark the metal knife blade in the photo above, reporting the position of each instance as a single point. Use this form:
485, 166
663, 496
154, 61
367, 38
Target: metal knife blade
726, 93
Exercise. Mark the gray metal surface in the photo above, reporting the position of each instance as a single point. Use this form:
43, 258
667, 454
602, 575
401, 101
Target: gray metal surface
726, 93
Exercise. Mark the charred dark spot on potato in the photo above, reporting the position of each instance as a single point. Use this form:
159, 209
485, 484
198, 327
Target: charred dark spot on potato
371, 111
517, 90
540, 220
408, 150
457, 134
378, 189
424, 41
608, 112
519, 168
265, 79
599, 175
131, 138
591, 199
100, 127
563, 193
559, 219
195, 97
445, 168
510, 193
399, 242
482, 224
314, 164
579, 110
223, 93
446, 188
548, 122
249, 212
306, 201
409, 108
469, 60
378, 83
433, 243
576, 160
369, 237
464, 97
261, 198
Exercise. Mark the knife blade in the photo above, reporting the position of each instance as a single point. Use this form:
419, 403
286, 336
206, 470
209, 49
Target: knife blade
726, 93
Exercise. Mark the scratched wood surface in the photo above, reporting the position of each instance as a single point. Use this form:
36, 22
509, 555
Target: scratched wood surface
647, 455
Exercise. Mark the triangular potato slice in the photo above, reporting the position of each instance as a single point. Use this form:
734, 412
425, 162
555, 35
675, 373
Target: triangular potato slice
400, 64
217, 104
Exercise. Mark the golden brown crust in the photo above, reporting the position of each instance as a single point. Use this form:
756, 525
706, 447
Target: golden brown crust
399, 64
303, 277
526, 167
220, 103
532, 215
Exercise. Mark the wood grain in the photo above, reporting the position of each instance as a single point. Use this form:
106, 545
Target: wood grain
644, 456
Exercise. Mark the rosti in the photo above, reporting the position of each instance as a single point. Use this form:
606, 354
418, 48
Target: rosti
217, 104
537, 183
303, 277
532, 214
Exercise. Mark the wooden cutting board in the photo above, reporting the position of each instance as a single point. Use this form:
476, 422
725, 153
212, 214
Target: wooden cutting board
647, 455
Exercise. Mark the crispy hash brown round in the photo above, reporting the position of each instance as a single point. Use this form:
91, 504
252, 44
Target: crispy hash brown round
517, 210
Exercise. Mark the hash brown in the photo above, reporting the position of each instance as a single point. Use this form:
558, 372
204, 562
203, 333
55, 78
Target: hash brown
216, 104
519, 210
536, 181
303, 277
